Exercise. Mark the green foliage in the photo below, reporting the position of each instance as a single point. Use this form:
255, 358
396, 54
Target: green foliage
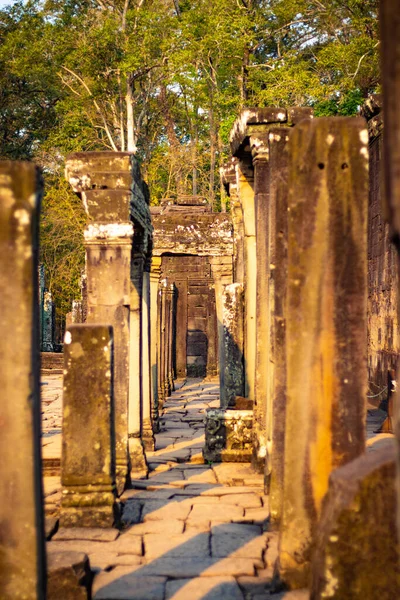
70, 70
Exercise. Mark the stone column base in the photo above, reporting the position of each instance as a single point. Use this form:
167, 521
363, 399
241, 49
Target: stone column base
85, 508
148, 435
228, 435
139, 467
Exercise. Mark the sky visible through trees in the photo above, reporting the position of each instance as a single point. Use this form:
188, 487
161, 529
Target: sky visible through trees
165, 79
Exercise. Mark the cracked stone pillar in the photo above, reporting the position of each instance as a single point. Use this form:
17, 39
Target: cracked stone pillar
277, 256
326, 324
167, 337
390, 64
21, 509
233, 311
113, 196
138, 465
222, 273
245, 182
147, 427
88, 441
155, 273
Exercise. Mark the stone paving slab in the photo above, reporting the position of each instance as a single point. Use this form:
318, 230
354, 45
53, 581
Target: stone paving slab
191, 530
221, 588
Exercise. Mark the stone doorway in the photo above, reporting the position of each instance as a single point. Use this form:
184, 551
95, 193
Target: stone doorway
195, 351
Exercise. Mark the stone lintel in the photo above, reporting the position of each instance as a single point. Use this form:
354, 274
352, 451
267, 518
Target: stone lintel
228, 435
109, 233
206, 234
255, 121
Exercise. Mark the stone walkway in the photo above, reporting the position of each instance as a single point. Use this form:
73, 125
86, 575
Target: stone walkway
191, 531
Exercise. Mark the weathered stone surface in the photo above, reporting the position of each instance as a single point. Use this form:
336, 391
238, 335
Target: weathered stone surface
172, 546
94, 534
206, 513
326, 323
356, 541
154, 510
21, 516
241, 544
68, 575
219, 588
88, 467
277, 251
124, 584
233, 324
170, 527
382, 308
131, 512
228, 435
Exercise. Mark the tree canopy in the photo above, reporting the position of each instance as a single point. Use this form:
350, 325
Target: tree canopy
165, 79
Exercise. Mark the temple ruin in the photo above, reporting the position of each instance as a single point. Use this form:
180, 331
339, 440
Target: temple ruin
222, 419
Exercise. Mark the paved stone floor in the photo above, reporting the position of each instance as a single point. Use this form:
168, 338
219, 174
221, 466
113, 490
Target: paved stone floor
190, 531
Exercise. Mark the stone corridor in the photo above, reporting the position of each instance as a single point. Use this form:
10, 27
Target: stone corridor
190, 530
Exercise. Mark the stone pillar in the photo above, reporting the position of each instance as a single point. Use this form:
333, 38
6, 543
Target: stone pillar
114, 198
167, 337
233, 311
88, 441
390, 66
277, 256
21, 515
260, 154
245, 178
171, 336
138, 465
222, 272
326, 324
161, 342
108, 259
155, 272
147, 428
41, 301
48, 323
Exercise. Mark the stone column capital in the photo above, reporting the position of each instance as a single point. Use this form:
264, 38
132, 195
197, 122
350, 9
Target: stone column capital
108, 233
259, 146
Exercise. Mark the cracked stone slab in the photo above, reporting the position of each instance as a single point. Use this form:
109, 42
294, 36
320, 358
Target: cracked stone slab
124, 584
94, 534
190, 544
241, 545
218, 588
170, 527
204, 513
155, 510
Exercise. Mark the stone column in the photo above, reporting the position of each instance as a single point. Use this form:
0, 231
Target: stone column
48, 322
167, 336
21, 514
390, 65
245, 179
260, 154
108, 259
233, 311
222, 272
147, 429
277, 256
155, 272
171, 291
88, 440
138, 465
326, 323
161, 342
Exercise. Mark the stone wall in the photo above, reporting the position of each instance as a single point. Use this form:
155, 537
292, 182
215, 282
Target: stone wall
383, 318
